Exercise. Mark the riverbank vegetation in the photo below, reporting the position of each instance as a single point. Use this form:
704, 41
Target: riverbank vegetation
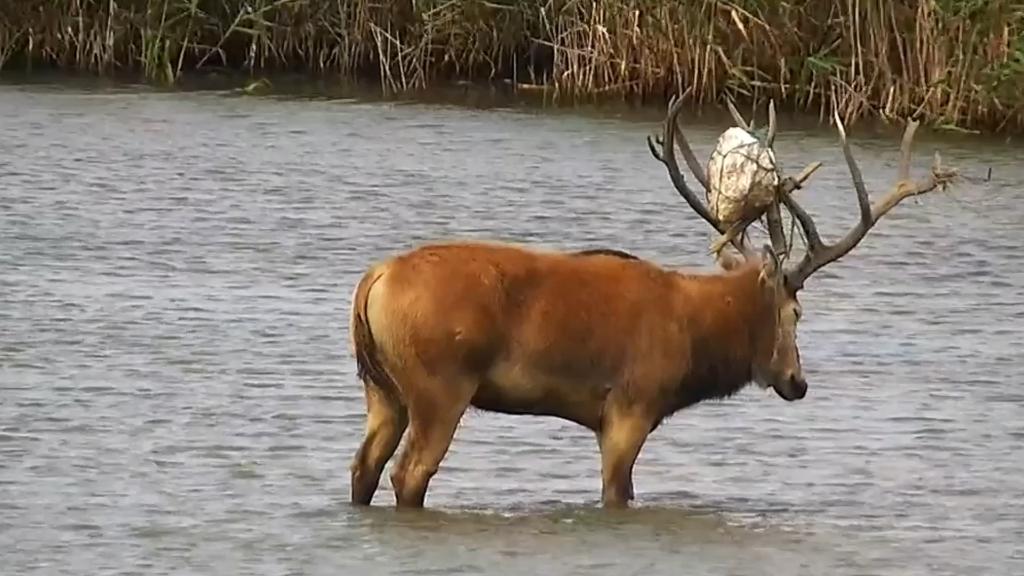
955, 63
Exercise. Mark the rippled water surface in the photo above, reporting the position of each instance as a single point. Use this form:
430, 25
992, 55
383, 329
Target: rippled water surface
177, 395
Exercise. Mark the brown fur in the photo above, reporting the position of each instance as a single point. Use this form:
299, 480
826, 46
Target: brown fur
609, 341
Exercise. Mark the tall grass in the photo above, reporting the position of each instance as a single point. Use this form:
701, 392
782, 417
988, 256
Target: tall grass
952, 62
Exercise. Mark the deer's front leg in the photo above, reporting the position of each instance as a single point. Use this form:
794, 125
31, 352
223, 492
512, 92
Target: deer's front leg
621, 437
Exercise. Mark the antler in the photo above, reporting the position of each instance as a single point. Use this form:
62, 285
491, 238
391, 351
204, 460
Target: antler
818, 253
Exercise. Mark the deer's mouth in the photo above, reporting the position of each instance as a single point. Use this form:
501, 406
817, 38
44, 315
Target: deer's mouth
791, 389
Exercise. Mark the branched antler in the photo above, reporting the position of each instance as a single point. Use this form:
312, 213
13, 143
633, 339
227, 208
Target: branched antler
818, 254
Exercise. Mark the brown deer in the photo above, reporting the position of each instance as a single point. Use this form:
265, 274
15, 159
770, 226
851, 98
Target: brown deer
601, 338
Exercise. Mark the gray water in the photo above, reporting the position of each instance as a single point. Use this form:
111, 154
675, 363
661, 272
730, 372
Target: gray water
177, 395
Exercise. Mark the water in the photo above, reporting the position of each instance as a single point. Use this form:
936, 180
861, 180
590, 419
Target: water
177, 395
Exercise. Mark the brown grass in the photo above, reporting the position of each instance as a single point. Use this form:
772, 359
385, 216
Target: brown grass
956, 63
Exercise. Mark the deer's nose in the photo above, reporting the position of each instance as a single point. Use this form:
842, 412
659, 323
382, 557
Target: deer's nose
798, 386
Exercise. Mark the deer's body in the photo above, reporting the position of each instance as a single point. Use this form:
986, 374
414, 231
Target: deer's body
589, 337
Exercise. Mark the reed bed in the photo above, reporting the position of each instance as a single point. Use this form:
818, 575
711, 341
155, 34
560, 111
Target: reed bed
956, 63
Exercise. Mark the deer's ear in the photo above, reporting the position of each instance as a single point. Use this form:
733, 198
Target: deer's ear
769, 265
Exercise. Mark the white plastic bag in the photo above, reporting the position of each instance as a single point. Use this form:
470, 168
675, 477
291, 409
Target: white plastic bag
742, 176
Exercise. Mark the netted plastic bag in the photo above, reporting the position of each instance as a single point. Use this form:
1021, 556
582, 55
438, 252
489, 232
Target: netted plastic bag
742, 177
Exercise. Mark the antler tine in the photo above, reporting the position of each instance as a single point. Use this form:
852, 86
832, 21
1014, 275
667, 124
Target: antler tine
773, 221
736, 116
798, 212
863, 201
657, 143
773, 216
655, 148
675, 107
819, 254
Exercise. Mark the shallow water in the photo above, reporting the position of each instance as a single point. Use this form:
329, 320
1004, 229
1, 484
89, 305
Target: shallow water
177, 395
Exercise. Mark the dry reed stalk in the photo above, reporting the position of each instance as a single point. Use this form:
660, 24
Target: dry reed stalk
951, 62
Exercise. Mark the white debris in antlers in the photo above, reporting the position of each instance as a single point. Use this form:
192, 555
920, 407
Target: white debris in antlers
760, 193
742, 177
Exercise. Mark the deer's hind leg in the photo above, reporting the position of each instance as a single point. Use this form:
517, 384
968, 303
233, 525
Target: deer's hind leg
435, 409
386, 421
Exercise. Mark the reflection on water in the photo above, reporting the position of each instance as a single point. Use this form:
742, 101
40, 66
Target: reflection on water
177, 395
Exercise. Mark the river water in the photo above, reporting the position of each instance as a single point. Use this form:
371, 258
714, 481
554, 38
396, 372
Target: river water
177, 395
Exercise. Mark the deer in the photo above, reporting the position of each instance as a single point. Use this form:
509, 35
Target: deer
601, 338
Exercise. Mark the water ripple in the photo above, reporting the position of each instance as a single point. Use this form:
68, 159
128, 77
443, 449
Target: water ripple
177, 394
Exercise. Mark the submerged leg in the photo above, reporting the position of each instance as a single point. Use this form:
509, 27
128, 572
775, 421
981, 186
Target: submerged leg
386, 421
434, 415
622, 436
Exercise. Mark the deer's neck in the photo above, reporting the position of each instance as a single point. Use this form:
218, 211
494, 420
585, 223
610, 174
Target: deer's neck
727, 319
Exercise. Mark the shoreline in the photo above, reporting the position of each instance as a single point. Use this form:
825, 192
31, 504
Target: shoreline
479, 95
957, 66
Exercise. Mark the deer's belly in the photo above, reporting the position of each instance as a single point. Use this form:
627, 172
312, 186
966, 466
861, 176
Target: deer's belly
519, 388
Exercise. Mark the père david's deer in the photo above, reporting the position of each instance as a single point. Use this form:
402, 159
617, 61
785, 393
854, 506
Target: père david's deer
609, 341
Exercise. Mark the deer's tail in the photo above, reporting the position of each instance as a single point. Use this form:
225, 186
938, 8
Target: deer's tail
368, 363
